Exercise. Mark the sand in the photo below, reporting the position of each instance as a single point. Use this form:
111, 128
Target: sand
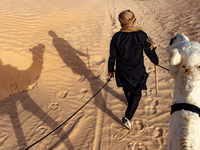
53, 57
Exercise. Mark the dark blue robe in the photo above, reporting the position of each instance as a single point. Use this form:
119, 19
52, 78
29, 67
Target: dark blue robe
126, 50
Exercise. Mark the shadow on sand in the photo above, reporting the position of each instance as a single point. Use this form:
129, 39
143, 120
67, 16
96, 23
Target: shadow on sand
17, 81
20, 80
69, 56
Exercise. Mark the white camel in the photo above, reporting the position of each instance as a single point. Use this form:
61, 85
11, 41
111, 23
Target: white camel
184, 128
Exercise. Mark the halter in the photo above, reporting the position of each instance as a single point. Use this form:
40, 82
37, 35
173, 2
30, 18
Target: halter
185, 106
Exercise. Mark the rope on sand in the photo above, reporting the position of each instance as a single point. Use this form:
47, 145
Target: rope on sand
76, 112
69, 117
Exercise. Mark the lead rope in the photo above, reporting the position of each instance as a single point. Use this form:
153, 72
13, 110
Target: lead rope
69, 117
163, 67
77, 112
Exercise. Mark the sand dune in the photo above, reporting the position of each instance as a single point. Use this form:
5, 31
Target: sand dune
53, 58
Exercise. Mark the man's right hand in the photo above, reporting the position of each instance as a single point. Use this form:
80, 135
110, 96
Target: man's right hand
111, 74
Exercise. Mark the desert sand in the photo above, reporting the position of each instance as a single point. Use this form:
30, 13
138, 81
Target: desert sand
53, 56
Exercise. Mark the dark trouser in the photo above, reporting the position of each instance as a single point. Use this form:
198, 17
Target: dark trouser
133, 98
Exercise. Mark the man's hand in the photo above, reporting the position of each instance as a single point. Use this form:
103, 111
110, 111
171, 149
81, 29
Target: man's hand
111, 74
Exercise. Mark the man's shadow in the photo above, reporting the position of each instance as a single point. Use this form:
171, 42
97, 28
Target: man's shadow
69, 56
21, 80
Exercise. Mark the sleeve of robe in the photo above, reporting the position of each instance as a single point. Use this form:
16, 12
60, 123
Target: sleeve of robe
112, 58
150, 52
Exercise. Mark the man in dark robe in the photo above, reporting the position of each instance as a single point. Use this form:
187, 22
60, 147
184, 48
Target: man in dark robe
126, 51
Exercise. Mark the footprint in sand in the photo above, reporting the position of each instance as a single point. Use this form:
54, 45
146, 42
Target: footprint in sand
149, 69
97, 74
136, 146
157, 133
80, 78
66, 130
41, 130
62, 94
70, 125
53, 106
152, 102
151, 106
147, 92
150, 109
122, 133
82, 93
138, 125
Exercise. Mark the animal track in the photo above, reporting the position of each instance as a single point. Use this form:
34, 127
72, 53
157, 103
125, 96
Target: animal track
152, 102
66, 130
157, 133
41, 130
53, 106
82, 93
138, 125
150, 109
136, 146
149, 69
151, 106
80, 78
62, 94
147, 92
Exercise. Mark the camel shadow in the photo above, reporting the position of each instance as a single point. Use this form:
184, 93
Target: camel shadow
20, 80
70, 57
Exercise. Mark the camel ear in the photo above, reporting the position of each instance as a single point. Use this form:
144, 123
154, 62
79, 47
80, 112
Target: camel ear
176, 58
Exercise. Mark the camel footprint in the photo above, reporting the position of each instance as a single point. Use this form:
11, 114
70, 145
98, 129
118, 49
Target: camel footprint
70, 125
151, 106
82, 93
138, 125
136, 146
80, 78
65, 131
147, 92
149, 69
62, 94
53, 106
157, 133
41, 130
